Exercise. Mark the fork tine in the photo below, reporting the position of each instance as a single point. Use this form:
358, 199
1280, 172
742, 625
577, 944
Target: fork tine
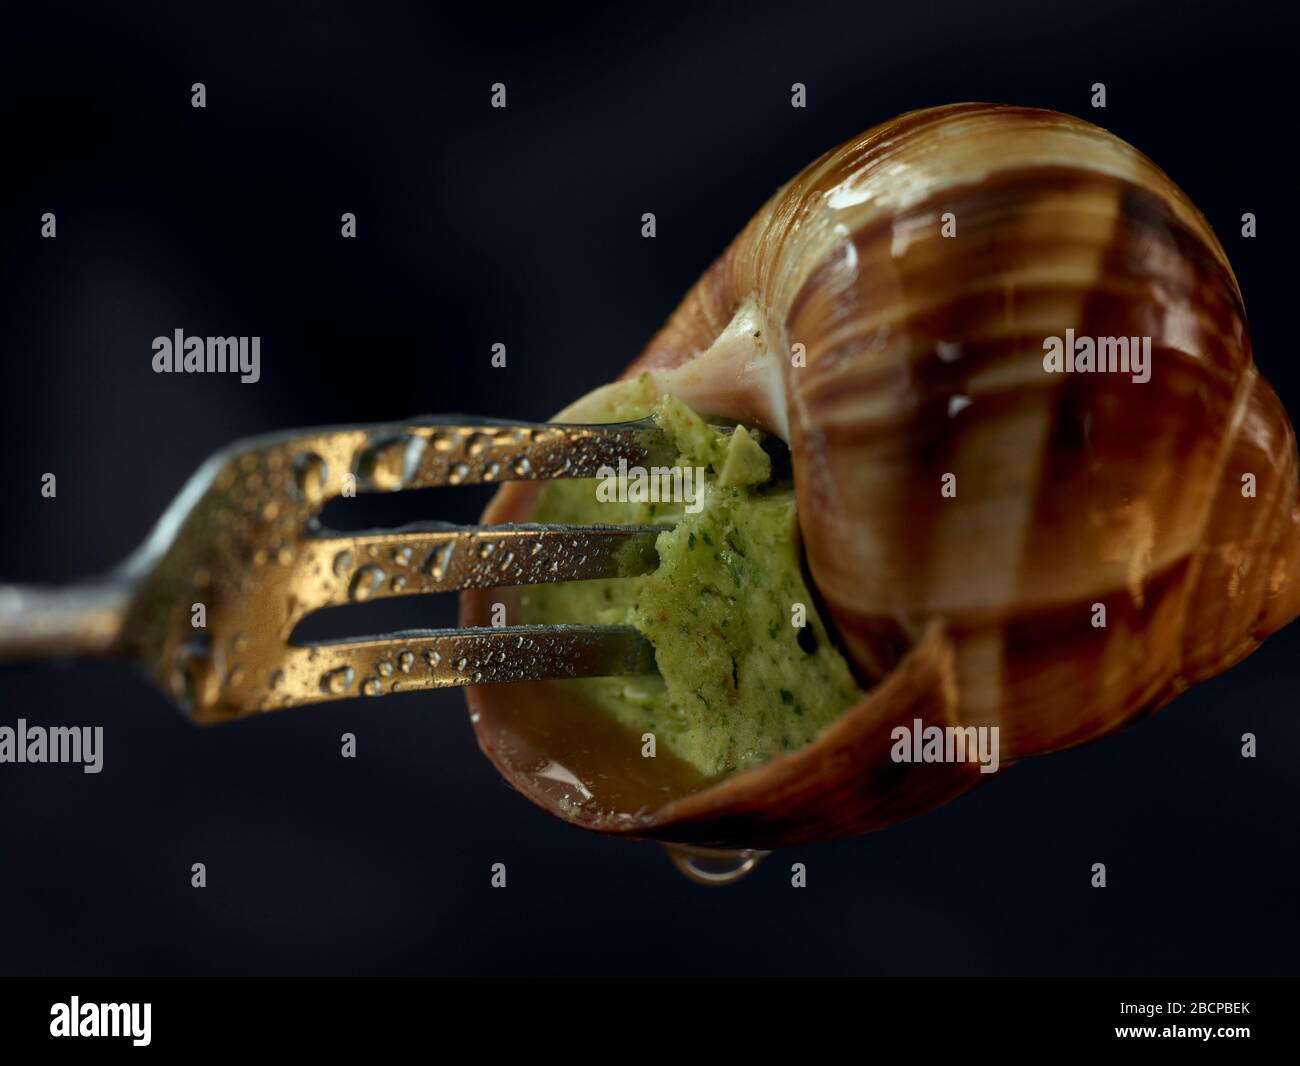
468, 452
431, 452
442, 658
436, 557
243, 540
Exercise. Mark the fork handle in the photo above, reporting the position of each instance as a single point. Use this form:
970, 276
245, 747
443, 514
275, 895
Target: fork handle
47, 623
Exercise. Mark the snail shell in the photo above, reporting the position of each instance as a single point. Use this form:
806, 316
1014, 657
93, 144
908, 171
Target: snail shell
924, 357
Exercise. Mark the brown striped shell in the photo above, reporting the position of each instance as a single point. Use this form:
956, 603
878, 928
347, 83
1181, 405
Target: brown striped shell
924, 358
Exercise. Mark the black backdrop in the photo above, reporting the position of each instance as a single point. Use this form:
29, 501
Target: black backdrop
522, 226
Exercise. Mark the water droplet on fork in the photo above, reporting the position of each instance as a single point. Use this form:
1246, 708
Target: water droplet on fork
192, 679
342, 563
365, 582
372, 687
310, 475
387, 465
337, 682
438, 559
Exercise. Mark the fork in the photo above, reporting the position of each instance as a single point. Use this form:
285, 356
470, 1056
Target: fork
242, 551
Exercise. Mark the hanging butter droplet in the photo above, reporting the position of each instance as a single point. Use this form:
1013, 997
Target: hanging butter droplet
713, 866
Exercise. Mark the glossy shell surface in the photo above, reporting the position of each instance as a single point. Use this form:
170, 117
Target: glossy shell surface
886, 313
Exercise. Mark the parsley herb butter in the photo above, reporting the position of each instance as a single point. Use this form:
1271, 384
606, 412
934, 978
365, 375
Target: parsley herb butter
737, 681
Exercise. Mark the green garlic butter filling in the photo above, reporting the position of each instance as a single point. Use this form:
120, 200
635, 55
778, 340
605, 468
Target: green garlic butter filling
737, 679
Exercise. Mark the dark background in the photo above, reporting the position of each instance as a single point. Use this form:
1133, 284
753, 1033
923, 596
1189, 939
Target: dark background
523, 226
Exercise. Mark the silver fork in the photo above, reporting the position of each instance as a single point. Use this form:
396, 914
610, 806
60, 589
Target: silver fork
243, 542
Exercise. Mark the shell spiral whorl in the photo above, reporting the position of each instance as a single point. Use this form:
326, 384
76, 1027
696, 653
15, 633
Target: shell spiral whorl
924, 356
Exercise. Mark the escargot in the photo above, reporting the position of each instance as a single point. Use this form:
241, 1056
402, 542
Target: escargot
996, 537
